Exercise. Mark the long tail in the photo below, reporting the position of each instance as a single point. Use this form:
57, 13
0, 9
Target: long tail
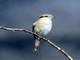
37, 43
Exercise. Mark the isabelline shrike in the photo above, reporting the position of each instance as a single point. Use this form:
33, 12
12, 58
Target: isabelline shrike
42, 27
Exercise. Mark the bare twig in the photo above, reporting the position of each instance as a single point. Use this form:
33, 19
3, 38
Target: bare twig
48, 41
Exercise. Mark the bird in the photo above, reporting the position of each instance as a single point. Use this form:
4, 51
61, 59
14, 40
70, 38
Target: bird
42, 27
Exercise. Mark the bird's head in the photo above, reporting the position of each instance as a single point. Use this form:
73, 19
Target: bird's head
47, 16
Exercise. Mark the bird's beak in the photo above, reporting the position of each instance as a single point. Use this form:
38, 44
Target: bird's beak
54, 17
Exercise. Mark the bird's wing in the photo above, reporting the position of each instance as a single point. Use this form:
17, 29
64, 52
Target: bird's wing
33, 29
33, 26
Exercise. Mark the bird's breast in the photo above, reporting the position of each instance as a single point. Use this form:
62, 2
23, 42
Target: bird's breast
43, 27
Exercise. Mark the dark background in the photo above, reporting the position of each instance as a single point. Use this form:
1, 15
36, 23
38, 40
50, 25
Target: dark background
23, 13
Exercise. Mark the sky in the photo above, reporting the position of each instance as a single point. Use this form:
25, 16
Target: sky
23, 13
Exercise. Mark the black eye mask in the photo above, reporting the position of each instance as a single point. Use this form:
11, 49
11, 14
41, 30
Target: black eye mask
42, 16
45, 16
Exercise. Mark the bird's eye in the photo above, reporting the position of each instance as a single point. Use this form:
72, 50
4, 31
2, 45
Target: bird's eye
46, 16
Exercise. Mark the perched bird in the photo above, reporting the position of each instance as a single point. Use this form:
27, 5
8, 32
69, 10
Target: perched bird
42, 27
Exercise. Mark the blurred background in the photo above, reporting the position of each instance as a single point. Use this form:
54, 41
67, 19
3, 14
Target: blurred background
23, 13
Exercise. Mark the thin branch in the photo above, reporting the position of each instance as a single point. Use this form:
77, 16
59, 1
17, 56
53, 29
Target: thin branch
48, 41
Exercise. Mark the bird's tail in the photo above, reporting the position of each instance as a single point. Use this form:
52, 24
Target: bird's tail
37, 43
